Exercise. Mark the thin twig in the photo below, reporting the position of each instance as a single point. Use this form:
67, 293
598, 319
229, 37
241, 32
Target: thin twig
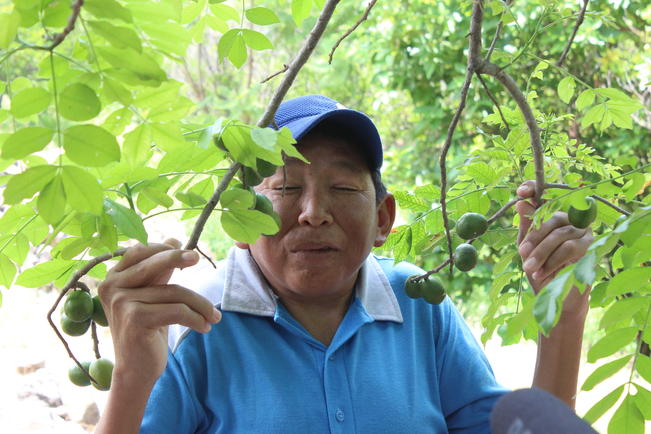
497, 105
493, 42
579, 21
93, 333
59, 37
206, 256
597, 197
285, 68
363, 18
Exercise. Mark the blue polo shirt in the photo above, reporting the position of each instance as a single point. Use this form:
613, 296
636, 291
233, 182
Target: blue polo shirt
395, 365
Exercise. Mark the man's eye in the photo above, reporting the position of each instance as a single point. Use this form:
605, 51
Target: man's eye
342, 188
286, 188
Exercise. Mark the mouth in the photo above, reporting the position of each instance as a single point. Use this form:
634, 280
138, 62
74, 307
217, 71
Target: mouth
313, 248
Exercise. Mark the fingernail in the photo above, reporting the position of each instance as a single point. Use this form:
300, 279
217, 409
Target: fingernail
530, 265
525, 249
207, 328
216, 315
537, 275
523, 189
189, 256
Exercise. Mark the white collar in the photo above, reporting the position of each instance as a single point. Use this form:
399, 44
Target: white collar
246, 291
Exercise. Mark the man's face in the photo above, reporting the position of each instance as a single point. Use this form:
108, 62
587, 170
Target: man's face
330, 222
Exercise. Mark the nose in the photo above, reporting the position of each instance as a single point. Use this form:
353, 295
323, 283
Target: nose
315, 208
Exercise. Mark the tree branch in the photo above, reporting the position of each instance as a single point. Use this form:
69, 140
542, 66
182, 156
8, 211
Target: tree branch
497, 105
363, 18
596, 197
58, 38
579, 21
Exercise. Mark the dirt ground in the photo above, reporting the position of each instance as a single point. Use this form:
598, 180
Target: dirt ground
36, 396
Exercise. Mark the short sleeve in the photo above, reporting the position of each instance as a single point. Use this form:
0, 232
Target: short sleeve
171, 406
468, 386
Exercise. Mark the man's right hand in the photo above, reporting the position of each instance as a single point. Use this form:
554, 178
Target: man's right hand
140, 304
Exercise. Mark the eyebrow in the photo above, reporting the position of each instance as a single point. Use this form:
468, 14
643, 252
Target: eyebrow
342, 163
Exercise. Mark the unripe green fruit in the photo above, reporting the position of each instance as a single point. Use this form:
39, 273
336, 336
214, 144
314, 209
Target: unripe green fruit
263, 204
98, 312
413, 288
582, 218
433, 290
251, 178
265, 168
73, 328
465, 257
471, 225
102, 371
78, 377
78, 306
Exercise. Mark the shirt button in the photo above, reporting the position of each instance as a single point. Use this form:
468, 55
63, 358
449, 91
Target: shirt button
332, 357
339, 414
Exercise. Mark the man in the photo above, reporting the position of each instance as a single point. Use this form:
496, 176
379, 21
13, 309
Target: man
317, 335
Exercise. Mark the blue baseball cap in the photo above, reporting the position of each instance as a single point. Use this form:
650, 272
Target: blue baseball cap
302, 114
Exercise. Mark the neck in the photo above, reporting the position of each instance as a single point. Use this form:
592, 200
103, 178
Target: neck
321, 318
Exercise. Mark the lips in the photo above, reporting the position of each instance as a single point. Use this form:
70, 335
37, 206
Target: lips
313, 247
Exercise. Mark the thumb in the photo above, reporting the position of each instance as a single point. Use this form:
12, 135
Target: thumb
525, 210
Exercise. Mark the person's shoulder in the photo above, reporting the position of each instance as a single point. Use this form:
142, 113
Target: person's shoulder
400, 270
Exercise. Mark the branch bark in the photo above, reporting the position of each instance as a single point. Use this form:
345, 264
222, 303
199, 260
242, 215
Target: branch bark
579, 21
60, 37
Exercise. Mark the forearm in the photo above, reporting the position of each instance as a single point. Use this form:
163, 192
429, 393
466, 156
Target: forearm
125, 407
559, 357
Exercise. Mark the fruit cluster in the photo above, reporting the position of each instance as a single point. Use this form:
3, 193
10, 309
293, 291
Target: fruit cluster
79, 311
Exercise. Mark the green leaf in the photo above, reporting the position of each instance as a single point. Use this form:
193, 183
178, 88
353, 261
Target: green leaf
411, 202
585, 99
627, 418
226, 43
593, 116
643, 401
301, 10
266, 138
237, 198
247, 225
142, 65
30, 101
157, 196
482, 173
118, 36
24, 185
7, 271
611, 343
52, 201
44, 273
605, 371
225, 12
83, 192
566, 89
126, 220
108, 9
630, 280
9, 23
237, 139
237, 54
256, 40
192, 200
79, 102
547, 304
137, 148
26, 141
428, 192
584, 271
261, 16
622, 310
90, 145
603, 405
643, 366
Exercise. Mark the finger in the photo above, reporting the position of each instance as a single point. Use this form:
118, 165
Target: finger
525, 210
139, 252
526, 189
173, 294
534, 237
567, 253
160, 315
552, 242
172, 242
155, 269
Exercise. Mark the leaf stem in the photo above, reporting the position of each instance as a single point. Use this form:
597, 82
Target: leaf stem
56, 106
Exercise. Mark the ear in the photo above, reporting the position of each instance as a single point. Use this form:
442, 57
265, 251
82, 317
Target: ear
386, 215
241, 245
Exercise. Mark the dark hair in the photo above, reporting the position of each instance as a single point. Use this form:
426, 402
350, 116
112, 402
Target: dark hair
332, 131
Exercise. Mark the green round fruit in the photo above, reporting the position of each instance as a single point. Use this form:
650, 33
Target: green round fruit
265, 168
250, 177
263, 204
73, 328
471, 225
98, 312
413, 288
433, 290
101, 370
78, 306
77, 376
465, 257
582, 218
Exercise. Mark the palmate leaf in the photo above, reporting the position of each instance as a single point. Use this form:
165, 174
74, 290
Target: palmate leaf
90, 145
261, 16
247, 225
26, 141
126, 220
30, 101
79, 102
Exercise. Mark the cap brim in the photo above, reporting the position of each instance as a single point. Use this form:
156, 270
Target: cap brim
356, 123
